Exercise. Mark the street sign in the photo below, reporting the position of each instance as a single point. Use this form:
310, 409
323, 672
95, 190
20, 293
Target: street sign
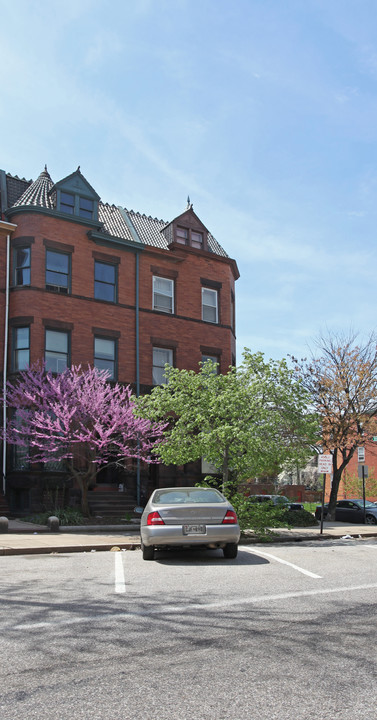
363, 471
325, 464
361, 455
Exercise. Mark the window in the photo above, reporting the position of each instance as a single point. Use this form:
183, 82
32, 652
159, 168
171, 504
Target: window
161, 357
67, 203
56, 350
209, 305
22, 266
58, 271
54, 466
197, 240
20, 457
19, 453
182, 235
214, 359
86, 208
104, 281
232, 312
104, 355
21, 348
163, 294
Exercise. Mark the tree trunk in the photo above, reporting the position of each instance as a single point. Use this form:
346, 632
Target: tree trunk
84, 480
337, 476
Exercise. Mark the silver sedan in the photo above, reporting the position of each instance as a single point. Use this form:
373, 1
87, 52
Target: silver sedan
187, 517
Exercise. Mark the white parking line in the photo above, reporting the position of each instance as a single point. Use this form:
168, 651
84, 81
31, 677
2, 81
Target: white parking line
284, 562
120, 584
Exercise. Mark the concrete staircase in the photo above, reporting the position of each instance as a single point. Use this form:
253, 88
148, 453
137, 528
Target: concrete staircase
111, 503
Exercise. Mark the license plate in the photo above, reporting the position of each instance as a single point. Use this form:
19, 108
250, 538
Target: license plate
194, 529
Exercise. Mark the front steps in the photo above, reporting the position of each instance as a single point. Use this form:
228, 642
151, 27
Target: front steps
111, 503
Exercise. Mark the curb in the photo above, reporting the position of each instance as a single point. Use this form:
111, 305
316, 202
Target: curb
67, 549
106, 547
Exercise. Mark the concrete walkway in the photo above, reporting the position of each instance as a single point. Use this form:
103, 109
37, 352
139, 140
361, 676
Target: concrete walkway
27, 538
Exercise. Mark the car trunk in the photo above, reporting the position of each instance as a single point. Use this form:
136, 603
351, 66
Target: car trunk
180, 514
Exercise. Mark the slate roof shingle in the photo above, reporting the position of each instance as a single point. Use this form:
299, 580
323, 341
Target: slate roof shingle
115, 221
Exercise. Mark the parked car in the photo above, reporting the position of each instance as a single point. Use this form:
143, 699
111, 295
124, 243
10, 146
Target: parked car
279, 500
189, 517
351, 511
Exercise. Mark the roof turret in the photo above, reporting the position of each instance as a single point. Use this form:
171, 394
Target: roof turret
38, 192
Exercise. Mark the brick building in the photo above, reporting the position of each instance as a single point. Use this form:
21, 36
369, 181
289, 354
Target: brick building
89, 282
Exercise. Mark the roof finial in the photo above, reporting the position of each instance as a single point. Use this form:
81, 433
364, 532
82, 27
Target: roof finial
78, 169
189, 203
46, 168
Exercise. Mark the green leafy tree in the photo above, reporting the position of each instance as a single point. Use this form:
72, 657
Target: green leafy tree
259, 517
243, 422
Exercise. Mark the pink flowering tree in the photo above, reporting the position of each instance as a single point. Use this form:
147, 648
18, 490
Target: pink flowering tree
79, 417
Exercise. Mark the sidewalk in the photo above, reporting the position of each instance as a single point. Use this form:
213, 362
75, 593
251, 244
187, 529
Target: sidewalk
28, 538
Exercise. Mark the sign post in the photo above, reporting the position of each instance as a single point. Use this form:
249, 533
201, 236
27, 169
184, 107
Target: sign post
364, 472
324, 466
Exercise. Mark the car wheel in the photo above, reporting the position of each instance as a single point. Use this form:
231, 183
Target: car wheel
230, 550
371, 520
148, 552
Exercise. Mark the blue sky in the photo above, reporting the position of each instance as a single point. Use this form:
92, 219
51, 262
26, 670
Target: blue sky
264, 112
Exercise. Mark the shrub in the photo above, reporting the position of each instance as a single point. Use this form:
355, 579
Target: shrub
251, 515
66, 516
300, 518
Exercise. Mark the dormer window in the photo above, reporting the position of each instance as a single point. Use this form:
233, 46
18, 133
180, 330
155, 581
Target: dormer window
75, 197
67, 203
86, 208
197, 239
76, 205
187, 229
184, 236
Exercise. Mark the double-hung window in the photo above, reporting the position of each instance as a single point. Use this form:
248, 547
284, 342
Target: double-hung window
210, 311
163, 294
105, 355
105, 281
22, 257
67, 203
197, 240
161, 357
56, 350
185, 236
182, 235
86, 208
214, 360
58, 271
21, 348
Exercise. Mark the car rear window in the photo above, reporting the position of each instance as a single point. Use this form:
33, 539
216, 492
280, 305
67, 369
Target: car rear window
194, 495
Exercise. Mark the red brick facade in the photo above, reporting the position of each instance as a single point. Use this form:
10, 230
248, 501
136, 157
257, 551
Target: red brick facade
351, 485
131, 321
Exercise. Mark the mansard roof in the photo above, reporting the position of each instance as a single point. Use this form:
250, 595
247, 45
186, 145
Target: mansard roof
113, 221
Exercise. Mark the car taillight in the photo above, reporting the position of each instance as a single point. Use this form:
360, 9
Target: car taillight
154, 518
230, 518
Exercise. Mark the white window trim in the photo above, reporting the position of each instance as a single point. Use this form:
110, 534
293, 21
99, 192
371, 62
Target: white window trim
216, 306
158, 292
161, 367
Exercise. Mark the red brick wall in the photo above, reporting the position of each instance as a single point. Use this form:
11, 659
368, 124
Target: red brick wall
185, 329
